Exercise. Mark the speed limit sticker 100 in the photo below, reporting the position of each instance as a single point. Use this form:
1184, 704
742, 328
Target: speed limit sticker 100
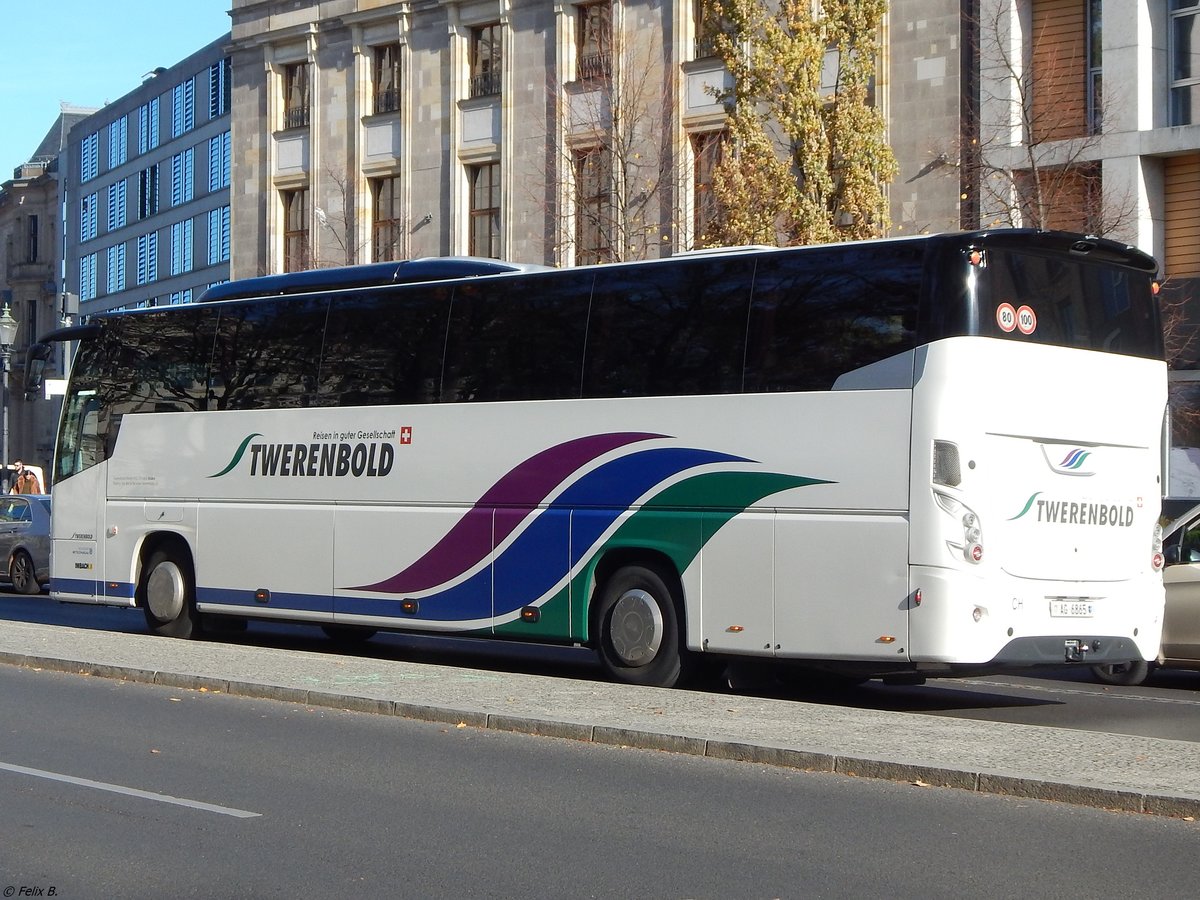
1010, 319
1026, 320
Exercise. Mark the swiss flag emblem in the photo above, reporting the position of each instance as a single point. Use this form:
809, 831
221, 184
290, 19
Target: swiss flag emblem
406, 434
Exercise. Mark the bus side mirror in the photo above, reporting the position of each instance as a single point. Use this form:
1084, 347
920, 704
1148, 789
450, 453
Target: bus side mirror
35, 366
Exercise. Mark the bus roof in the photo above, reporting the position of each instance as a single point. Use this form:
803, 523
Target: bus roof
373, 274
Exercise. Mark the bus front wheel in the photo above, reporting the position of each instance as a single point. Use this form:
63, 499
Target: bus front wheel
640, 638
168, 596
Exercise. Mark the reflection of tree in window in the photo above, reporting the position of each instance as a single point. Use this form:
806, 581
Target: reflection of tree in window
517, 339
674, 328
385, 348
817, 315
266, 354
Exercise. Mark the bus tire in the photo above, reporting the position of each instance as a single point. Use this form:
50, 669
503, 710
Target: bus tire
640, 637
22, 575
168, 596
1124, 674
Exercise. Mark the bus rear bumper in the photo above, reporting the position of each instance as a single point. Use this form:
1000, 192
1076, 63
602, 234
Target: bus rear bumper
1006, 621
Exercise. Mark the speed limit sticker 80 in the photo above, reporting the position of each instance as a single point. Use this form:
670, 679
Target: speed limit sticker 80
1011, 319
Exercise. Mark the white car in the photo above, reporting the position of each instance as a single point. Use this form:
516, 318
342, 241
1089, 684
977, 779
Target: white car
1181, 623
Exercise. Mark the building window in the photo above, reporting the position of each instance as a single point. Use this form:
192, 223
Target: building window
183, 176
706, 154
1095, 84
1059, 67
89, 157
181, 247
88, 217
178, 297
219, 88
31, 243
147, 258
295, 96
295, 230
116, 205
218, 162
148, 192
183, 108
387, 230
87, 277
485, 60
485, 210
118, 142
594, 41
218, 236
148, 126
593, 206
116, 268
704, 21
1185, 61
387, 78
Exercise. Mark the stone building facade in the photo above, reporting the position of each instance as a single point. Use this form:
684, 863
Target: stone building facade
30, 284
368, 130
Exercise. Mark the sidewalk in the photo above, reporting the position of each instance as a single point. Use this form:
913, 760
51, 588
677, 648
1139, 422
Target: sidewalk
1111, 771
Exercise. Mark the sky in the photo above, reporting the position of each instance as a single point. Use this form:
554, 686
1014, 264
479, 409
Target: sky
87, 53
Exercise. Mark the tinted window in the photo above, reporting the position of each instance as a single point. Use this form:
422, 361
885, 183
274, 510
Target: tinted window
517, 338
266, 354
385, 346
670, 328
154, 362
1074, 303
819, 313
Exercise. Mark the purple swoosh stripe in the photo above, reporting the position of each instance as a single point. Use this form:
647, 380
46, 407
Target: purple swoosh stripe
470, 540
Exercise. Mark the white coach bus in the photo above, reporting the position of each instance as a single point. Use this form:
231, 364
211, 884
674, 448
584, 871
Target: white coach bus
900, 458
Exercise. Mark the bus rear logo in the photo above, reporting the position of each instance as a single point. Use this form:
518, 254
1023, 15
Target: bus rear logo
1072, 463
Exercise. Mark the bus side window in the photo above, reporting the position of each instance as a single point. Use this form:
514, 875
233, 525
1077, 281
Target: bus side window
674, 328
267, 354
384, 347
818, 314
517, 338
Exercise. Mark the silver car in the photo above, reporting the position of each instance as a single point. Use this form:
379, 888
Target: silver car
1181, 623
25, 541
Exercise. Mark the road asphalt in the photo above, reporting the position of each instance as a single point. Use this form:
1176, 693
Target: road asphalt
1110, 771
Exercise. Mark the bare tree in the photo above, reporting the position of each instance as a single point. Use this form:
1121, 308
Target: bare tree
1036, 161
612, 161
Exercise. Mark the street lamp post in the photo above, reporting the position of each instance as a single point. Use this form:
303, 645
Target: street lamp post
8, 336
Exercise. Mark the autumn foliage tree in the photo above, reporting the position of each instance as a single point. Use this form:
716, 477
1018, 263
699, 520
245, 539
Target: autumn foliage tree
806, 160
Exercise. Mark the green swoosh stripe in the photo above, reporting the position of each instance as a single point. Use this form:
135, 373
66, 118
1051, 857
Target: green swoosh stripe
677, 521
237, 456
1028, 504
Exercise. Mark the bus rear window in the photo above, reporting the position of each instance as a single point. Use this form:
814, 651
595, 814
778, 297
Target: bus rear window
1069, 302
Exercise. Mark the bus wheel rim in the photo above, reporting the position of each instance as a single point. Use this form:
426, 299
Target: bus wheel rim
636, 628
165, 592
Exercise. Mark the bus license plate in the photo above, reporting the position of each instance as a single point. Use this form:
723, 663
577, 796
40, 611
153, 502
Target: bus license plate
1071, 609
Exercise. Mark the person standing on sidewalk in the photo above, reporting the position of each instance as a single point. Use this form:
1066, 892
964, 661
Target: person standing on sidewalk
26, 482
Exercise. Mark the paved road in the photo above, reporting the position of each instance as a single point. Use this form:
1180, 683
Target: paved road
1109, 770
150, 791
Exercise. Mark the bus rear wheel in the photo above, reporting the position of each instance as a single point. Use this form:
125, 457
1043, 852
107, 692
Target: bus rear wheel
640, 638
168, 596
